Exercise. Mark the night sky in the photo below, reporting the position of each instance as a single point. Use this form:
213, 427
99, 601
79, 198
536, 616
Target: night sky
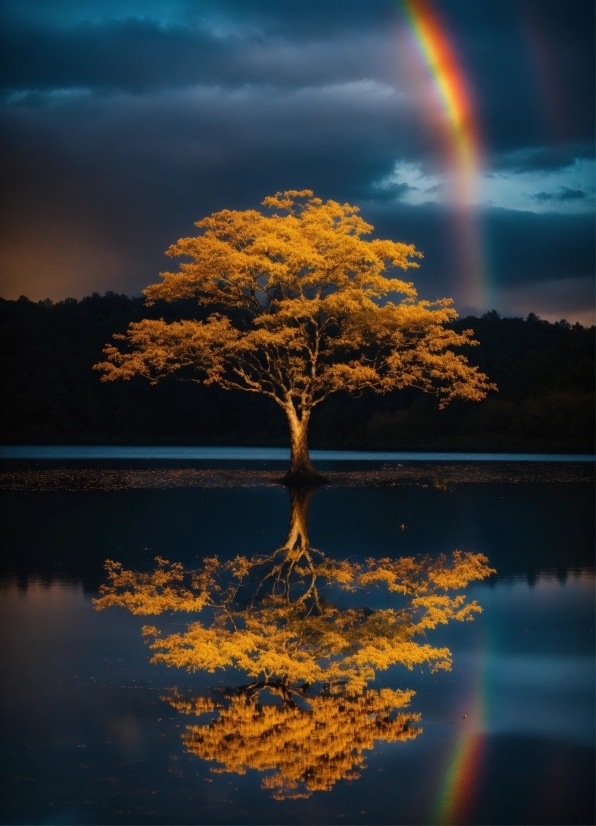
125, 122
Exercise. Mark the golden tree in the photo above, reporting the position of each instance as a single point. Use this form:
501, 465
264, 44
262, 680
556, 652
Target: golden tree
306, 747
302, 306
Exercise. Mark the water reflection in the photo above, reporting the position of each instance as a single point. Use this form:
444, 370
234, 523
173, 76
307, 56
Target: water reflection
312, 632
308, 746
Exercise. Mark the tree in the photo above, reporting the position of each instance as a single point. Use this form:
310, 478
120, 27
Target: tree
300, 306
298, 617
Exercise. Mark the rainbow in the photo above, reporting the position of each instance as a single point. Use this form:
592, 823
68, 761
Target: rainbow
462, 139
462, 775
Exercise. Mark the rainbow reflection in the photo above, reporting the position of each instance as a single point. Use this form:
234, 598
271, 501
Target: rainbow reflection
462, 778
462, 775
462, 142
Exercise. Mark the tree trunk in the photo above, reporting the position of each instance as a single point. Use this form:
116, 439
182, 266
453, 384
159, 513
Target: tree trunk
301, 470
297, 536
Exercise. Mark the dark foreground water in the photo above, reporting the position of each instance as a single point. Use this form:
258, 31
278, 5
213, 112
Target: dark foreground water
93, 733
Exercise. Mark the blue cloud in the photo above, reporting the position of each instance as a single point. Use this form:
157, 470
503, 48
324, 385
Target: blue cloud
563, 193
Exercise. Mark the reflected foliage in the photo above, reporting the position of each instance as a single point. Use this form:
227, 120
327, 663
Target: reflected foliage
299, 616
307, 743
312, 631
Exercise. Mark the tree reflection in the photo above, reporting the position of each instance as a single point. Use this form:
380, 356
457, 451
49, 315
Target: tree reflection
312, 631
308, 746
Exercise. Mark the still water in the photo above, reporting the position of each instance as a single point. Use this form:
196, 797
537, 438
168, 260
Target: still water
95, 733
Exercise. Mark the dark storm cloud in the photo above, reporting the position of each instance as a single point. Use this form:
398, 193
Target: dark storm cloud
521, 247
141, 55
566, 194
126, 121
544, 158
138, 170
563, 194
392, 191
530, 247
543, 196
522, 56
296, 20
531, 63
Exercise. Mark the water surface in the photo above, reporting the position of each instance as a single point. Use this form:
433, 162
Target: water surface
91, 734
267, 454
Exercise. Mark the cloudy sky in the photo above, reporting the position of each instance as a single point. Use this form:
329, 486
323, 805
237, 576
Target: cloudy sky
124, 121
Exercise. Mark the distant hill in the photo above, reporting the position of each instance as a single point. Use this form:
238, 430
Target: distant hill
545, 374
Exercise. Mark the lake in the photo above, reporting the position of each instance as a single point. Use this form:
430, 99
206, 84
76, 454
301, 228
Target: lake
95, 733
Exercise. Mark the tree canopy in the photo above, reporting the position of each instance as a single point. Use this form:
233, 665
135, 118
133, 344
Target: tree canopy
302, 305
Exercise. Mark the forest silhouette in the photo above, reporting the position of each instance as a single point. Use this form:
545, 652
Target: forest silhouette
544, 372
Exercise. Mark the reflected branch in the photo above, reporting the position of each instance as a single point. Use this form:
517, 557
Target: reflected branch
299, 616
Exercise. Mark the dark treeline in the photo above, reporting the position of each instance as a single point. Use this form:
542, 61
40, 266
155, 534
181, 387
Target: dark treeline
544, 372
